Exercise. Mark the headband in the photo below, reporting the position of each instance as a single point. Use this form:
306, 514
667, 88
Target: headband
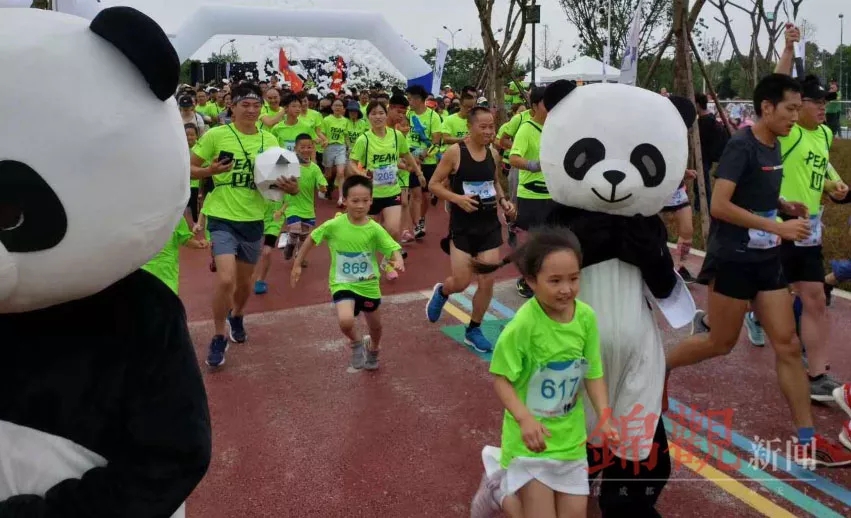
251, 96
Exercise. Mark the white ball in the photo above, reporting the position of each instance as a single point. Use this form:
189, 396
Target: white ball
272, 164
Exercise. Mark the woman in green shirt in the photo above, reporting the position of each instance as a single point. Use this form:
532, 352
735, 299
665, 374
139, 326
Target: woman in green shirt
335, 127
376, 155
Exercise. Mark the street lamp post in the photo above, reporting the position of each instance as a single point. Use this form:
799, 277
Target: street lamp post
221, 49
452, 34
842, 87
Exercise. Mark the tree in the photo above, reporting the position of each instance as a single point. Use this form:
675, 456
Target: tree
546, 55
500, 56
591, 21
463, 66
753, 61
231, 56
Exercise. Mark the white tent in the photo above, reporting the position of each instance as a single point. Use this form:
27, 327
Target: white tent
540, 73
582, 68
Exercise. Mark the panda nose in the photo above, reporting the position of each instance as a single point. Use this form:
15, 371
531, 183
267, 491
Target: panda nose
614, 177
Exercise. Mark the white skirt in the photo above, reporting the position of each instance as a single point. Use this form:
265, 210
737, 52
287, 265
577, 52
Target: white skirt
563, 476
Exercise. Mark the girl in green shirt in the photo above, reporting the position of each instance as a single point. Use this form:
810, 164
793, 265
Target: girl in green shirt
544, 358
335, 129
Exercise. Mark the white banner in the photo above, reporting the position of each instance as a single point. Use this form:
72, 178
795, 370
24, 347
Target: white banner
437, 71
629, 67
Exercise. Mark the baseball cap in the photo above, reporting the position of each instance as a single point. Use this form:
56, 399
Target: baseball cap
812, 89
185, 102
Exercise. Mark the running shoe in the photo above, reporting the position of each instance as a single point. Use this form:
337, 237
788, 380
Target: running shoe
260, 287
842, 396
845, 435
688, 278
755, 333
486, 501
828, 294
371, 363
218, 347
236, 329
524, 290
358, 355
697, 324
289, 250
822, 387
476, 339
406, 237
821, 452
435, 304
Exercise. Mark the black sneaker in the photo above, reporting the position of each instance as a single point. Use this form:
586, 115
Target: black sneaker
688, 278
828, 294
236, 329
218, 347
419, 233
404, 253
524, 290
434, 201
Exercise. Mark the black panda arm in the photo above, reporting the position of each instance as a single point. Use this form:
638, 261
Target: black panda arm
163, 442
649, 249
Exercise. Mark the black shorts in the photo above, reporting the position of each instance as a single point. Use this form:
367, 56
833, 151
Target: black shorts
802, 263
741, 280
473, 242
270, 240
413, 181
193, 202
361, 303
428, 172
379, 204
532, 213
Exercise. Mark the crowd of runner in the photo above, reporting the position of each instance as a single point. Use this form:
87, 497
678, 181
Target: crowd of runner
385, 159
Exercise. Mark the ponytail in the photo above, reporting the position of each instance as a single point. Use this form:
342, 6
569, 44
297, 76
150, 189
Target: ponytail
485, 268
529, 256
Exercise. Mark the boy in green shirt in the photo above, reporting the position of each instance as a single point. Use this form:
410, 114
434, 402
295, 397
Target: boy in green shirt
353, 239
166, 264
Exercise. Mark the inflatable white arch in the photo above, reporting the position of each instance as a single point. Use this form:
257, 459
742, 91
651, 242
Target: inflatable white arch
211, 20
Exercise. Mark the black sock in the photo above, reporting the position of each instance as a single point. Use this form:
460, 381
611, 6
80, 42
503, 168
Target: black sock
473, 324
443, 292
703, 321
815, 378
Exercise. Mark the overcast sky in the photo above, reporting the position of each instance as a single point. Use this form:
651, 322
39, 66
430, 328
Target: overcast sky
421, 22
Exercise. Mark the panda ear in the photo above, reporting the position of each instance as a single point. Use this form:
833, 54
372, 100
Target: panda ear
557, 91
144, 43
686, 108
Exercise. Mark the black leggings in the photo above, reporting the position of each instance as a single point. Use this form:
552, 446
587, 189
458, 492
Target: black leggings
193, 203
630, 489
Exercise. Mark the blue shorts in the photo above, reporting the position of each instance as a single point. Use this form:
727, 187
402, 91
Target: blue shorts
841, 269
243, 239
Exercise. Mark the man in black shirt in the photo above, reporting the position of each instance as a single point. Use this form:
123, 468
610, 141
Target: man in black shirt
742, 261
712, 140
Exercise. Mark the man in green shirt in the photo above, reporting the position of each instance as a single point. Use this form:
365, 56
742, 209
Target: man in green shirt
834, 109
235, 211
424, 138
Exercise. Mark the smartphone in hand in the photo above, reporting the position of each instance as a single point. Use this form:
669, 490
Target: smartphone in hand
225, 157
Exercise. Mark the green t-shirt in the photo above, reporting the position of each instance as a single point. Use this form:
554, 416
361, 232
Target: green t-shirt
354, 266
272, 226
512, 126
380, 156
527, 144
535, 353
266, 111
210, 110
235, 196
499, 135
430, 123
165, 266
314, 120
334, 129
454, 126
355, 130
303, 204
806, 155
286, 134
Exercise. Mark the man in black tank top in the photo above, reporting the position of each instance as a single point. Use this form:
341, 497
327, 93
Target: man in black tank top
466, 177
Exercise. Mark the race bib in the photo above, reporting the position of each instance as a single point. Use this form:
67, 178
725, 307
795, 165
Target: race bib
484, 190
353, 267
554, 388
815, 230
385, 175
418, 151
680, 197
761, 239
289, 145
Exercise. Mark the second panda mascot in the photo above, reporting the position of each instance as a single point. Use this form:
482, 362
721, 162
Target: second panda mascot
612, 155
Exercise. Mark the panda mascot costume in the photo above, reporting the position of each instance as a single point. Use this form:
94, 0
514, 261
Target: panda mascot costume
612, 155
103, 411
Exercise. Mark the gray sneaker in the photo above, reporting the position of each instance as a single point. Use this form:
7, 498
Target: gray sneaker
372, 356
697, 325
821, 388
358, 356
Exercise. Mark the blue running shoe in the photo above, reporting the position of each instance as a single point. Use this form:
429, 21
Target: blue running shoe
476, 339
436, 303
236, 329
755, 333
216, 356
260, 287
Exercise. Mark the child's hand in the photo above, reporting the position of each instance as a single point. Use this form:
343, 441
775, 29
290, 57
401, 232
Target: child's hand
278, 214
197, 228
534, 434
691, 174
295, 275
610, 435
399, 264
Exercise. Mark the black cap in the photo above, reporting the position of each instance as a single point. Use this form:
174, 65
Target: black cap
185, 102
398, 100
812, 89
537, 94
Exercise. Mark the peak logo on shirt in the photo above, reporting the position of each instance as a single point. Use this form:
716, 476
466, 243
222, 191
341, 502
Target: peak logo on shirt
389, 158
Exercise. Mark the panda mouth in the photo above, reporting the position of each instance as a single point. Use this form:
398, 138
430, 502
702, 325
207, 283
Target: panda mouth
612, 199
11, 217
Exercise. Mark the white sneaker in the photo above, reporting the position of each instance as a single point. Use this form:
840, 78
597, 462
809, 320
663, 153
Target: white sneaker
845, 435
487, 500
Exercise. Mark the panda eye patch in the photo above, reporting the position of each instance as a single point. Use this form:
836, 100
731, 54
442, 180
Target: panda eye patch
582, 156
32, 218
650, 163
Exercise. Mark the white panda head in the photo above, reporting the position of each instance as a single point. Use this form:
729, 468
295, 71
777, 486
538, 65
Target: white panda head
614, 148
94, 165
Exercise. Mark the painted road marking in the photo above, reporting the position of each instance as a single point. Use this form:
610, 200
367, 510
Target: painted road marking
741, 491
467, 304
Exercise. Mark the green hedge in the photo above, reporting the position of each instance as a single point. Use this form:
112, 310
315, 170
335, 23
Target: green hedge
837, 241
